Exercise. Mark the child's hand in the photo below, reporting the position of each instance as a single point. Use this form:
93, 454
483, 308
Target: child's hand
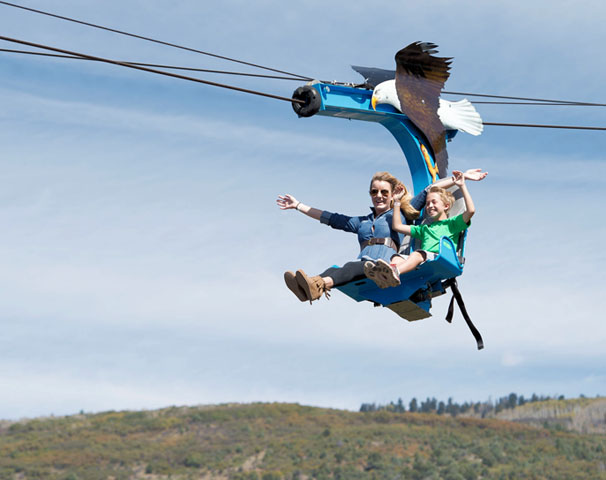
398, 193
459, 178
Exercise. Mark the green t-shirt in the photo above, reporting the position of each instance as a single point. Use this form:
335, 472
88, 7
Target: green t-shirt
430, 234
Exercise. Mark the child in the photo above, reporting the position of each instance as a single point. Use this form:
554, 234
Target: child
437, 205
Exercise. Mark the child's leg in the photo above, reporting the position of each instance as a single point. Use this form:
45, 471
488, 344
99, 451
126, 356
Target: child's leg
408, 264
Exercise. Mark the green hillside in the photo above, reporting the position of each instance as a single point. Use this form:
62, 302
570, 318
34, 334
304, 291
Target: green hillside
284, 441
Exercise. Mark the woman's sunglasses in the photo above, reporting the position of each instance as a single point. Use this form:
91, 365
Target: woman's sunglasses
374, 192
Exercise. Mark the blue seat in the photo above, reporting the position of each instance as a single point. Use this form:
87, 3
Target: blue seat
412, 298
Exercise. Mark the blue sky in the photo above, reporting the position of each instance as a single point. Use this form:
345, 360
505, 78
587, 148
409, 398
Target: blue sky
142, 253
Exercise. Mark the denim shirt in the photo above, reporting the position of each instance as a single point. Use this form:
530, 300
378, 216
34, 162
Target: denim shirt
371, 226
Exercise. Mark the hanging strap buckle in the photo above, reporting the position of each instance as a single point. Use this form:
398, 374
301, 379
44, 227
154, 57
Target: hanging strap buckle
452, 283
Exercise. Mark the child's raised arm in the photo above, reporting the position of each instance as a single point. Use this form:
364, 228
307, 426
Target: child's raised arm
459, 180
396, 222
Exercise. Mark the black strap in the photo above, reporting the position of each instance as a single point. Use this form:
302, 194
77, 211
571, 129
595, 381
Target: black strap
450, 312
452, 283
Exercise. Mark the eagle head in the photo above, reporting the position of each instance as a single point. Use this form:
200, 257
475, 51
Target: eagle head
385, 92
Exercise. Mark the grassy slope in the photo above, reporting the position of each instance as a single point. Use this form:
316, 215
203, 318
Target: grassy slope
274, 441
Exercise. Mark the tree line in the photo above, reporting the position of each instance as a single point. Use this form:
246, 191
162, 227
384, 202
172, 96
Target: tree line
432, 405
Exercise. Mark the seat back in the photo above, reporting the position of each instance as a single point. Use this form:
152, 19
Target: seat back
458, 208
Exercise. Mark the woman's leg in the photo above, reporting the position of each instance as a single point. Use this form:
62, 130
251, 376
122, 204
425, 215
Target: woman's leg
335, 277
312, 288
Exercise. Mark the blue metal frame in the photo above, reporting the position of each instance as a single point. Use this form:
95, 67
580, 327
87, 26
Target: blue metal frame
355, 104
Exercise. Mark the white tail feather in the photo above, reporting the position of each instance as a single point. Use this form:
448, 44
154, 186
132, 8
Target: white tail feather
460, 115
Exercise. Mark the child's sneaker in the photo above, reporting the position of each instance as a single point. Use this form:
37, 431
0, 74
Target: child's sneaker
382, 273
369, 270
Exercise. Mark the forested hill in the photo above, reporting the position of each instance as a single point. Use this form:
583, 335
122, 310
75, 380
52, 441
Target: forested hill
285, 441
583, 415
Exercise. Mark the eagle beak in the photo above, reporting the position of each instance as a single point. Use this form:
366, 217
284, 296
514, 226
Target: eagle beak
373, 102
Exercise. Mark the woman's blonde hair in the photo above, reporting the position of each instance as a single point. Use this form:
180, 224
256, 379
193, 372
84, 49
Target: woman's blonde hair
407, 209
445, 195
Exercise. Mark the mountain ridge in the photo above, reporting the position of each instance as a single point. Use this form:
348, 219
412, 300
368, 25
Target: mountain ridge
582, 415
278, 441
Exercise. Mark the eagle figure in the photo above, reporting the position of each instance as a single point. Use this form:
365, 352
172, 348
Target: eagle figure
415, 91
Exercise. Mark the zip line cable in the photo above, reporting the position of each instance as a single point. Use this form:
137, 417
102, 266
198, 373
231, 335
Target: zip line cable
537, 102
564, 102
571, 104
529, 101
298, 77
253, 92
531, 125
151, 70
61, 17
155, 65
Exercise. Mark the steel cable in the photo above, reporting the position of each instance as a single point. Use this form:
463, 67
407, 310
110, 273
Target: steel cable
155, 65
531, 125
149, 39
146, 69
563, 102
254, 92
298, 77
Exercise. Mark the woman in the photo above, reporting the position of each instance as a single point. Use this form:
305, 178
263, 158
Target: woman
377, 239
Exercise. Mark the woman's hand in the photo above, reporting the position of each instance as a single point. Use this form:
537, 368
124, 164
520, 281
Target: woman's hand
286, 202
475, 174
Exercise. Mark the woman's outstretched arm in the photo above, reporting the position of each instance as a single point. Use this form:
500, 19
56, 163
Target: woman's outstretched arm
475, 174
288, 202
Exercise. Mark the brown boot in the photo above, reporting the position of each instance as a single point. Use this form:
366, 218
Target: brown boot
314, 287
293, 286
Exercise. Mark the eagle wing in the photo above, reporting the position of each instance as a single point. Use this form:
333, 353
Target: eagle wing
374, 76
420, 77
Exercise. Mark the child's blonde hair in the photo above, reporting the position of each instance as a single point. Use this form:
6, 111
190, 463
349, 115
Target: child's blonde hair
446, 197
407, 209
